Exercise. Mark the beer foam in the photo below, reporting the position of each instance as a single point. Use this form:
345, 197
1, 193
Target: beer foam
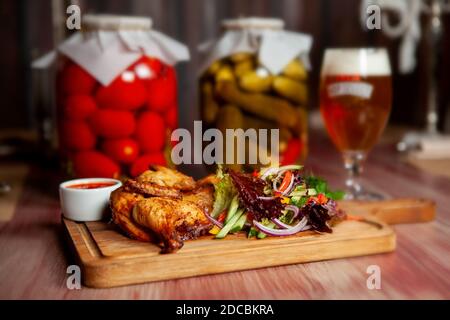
365, 62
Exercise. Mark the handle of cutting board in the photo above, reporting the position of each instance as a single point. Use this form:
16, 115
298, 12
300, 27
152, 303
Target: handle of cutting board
395, 211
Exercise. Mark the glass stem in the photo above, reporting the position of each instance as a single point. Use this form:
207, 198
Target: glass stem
353, 161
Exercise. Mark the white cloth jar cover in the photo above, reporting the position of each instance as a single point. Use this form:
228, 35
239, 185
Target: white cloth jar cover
111, 44
265, 37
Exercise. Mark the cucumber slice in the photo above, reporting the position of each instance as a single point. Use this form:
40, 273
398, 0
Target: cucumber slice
227, 227
232, 209
253, 232
239, 224
262, 235
300, 193
290, 167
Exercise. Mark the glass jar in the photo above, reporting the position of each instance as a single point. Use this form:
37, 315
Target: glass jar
117, 126
238, 90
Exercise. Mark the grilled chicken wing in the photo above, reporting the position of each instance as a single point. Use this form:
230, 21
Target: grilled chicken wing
163, 205
202, 196
166, 177
122, 203
151, 189
172, 220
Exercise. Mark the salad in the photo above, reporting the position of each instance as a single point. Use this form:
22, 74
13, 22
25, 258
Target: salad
279, 201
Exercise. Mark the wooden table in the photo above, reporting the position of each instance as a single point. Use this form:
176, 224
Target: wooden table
34, 258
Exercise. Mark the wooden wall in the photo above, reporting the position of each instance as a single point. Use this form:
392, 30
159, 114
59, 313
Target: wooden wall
26, 26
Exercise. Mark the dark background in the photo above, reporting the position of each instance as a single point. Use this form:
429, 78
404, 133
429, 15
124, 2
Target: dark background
31, 28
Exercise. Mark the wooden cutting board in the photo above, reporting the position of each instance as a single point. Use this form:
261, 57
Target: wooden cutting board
109, 259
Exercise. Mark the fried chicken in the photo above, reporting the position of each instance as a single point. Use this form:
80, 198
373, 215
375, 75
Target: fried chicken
173, 220
122, 204
163, 205
166, 177
202, 196
151, 189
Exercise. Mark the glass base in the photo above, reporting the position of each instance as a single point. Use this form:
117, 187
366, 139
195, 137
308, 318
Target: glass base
353, 161
364, 195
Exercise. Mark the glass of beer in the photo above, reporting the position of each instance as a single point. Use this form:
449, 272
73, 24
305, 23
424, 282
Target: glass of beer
355, 102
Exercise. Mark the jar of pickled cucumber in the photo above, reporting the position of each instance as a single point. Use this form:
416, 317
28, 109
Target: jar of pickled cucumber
255, 77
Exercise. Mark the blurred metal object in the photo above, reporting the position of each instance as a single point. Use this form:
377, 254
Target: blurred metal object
5, 187
447, 119
435, 35
408, 29
435, 9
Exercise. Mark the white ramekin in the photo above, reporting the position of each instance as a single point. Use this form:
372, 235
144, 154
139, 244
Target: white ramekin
86, 204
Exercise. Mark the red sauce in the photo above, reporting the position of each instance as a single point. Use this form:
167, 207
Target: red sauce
92, 185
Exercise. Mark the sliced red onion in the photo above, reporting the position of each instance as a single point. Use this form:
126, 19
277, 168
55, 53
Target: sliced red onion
288, 189
274, 184
275, 181
294, 209
281, 224
281, 232
279, 171
267, 198
214, 221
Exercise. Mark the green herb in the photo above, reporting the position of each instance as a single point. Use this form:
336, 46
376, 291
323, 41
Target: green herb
252, 232
321, 186
336, 195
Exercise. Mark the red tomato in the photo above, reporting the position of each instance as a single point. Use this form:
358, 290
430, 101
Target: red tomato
94, 164
76, 135
147, 68
321, 198
75, 80
112, 123
171, 117
126, 92
292, 152
142, 163
162, 90
286, 181
222, 216
121, 150
155, 64
79, 107
150, 132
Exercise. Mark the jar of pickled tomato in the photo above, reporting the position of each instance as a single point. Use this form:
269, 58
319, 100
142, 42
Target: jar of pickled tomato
116, 97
